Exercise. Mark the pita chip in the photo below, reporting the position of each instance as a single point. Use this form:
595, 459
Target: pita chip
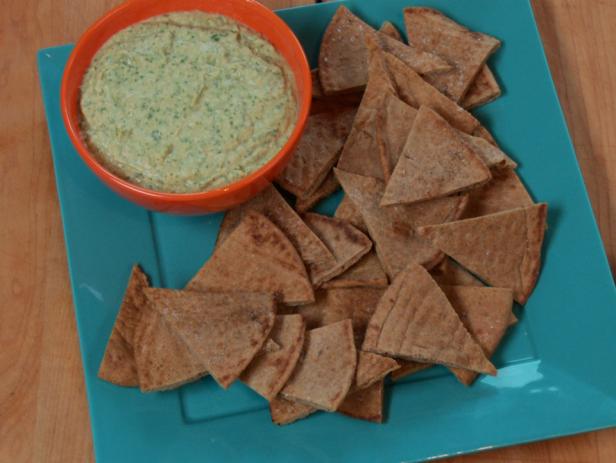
486, 313
393, 228
415, 321
489, 153
347, 243
390, 30
319, 261
270, 346
505, 191
365, 404
163, 359
368, 272
435, 162
483, 90
408, 368
268, 373
511, 239
421, 61
118, 365
317, 151
224, 331
326, 369
347, 211
326, 103
329, 186
372, 368
467, 51
450, 273
285, 411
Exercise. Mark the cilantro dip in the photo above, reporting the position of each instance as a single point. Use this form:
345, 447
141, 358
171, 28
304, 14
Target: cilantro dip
186, 102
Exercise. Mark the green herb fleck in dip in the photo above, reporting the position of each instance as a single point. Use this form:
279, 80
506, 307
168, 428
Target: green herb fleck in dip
187, 102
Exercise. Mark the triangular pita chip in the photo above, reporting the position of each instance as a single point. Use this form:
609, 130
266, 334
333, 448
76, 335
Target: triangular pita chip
505, 191
408, 368
433, 32
420, 61
489, 153
393, 228
483, 90
347, 211
268, 373
317, 151
368, 272
365, 404
390, 30
347, 243
415, 91
435, 162
326, 369
486, 313
163, 359
285, 411
450, 273
372, 368
503, 249
118, 364
319, 261
224, 331
415, 321
329, 186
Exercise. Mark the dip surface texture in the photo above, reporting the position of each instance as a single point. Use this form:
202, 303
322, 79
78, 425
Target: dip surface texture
187, 102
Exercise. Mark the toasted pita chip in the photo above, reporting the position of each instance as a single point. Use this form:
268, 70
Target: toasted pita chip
511, 239
163, 359
118, 365
268, 373
435, 162
317, 151
390, 30
393, 228
408, 368
368, 272
270, 346
347, 211
285, 411
415, 321
486, 313
420, 61
326, 103
433, 32
483, 90
326, 369
319, 261
484, 133
347, 243
329, 186
224, 331
504, 192
415, 91
450, 273
365, 404
489, 153
372, 368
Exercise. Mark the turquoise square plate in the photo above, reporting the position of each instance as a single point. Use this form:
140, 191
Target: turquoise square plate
557, 367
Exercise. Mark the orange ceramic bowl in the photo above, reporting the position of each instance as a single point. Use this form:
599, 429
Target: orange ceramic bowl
248, 12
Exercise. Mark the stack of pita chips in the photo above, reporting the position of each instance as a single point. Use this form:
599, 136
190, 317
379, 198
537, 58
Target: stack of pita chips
434, 240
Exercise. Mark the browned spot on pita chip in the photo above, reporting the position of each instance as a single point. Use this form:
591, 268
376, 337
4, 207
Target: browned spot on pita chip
317, 151
408, 368
346, 242
285, 411
415, 321
118, 364
372, 368
503, 249
347, 211
467, 51
489, 153
268, 373
415, 91
326, 369
483, 90
224, 331
504, 192
486, 313
420, 61
435, 162
390, 30
319, 261
329, 186
365, 404
163, 360
368, 272
393, 228
450, 273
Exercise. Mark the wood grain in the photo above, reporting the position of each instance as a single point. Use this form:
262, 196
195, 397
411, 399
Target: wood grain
43, 410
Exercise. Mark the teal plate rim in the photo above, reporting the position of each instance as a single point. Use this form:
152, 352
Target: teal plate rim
555, 368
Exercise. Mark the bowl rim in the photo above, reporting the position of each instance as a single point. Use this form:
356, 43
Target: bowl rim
93, 163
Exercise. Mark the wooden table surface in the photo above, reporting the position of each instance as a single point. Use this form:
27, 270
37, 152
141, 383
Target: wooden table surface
43, 410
